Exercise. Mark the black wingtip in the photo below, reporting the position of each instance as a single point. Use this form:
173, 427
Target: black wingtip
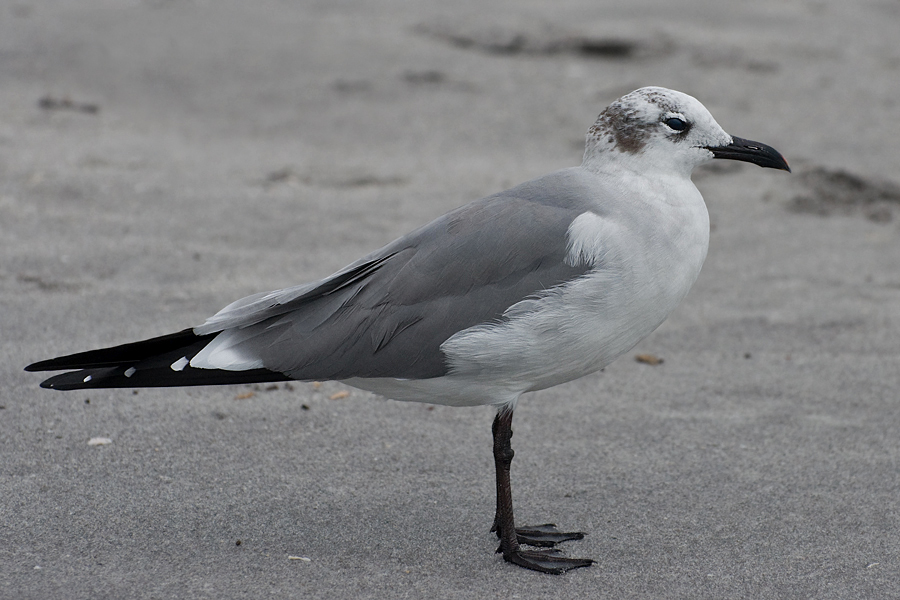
77, 380
158, 362
153, 375
120, 355
41, 365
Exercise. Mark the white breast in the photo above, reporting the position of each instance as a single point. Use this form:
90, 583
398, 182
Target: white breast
643, 262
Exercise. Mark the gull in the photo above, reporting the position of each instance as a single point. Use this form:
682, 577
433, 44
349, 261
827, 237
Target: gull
523, 290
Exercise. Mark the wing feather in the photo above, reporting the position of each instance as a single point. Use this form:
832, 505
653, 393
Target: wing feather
388, 314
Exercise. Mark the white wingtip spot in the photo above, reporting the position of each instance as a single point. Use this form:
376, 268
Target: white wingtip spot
131, 371
180, 364
88, 378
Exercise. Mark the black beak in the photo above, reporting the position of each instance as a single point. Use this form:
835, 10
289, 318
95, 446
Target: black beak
750, 151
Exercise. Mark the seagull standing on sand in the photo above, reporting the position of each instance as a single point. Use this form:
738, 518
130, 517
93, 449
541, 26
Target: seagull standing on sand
517, 292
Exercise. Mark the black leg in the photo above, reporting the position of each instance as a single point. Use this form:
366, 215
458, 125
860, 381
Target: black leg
546, 561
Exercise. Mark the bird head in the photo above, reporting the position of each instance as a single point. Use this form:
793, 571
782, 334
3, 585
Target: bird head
657, 129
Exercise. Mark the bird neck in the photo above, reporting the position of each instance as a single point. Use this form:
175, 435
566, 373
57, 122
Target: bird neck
605, 157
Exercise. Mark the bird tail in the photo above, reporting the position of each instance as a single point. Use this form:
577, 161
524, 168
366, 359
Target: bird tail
158, 362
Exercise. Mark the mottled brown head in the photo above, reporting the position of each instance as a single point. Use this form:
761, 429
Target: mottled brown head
665, 130
653, 125
627, 123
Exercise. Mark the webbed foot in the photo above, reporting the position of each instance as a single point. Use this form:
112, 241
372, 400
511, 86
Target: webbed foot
546, 561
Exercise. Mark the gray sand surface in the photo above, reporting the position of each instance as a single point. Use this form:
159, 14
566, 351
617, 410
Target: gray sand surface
159, 159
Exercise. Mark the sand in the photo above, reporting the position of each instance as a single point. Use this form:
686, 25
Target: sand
159, 159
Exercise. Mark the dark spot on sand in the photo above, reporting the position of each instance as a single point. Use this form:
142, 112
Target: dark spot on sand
65, 103
827, 191
538, 39
606, 48
428, 77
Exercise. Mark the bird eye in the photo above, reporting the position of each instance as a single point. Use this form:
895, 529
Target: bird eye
676, 124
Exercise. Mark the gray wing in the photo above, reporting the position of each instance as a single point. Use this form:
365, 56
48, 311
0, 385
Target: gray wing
387, 314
